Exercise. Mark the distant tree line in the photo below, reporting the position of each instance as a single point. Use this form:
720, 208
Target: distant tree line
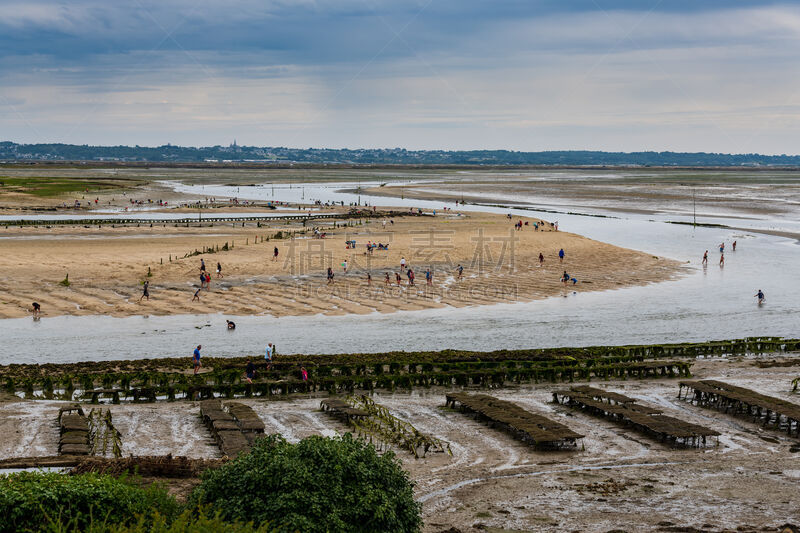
10, 151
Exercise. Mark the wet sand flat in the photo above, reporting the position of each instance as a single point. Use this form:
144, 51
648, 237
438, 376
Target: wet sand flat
107, 267
616, 478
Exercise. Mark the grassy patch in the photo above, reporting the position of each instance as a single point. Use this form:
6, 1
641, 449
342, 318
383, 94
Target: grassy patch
55, 186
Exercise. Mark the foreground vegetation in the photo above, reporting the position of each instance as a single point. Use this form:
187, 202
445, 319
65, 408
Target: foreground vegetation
34, 501
320, 484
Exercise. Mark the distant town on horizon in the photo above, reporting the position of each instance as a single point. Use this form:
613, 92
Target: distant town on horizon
234, 153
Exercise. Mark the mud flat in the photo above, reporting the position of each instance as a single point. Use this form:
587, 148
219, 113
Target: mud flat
617, 478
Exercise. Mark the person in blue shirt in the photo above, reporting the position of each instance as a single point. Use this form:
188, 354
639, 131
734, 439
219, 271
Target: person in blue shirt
760, 296
196, 358
268, 355
561, 255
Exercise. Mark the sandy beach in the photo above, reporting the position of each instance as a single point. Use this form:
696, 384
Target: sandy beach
107, 266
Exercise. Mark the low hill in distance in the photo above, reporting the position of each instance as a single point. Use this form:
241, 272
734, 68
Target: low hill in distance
13, 152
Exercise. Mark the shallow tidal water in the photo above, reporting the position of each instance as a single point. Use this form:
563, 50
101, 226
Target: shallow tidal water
705, 304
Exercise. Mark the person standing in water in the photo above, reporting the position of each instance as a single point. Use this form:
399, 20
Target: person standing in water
705, 258
760, 296
37, 309
734, 246
722, 259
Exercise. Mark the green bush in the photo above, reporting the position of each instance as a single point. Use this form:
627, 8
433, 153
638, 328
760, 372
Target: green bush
317, 485
186, 522
39, 501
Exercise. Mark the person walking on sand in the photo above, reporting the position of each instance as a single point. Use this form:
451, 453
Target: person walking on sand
369, 278
196, 358
387, 281
460, 270
561, 255
344, 266
202, 266
330, 275
429, 277
196, 295
398, 278
384, 223
410, 277
145, 291
541, 258
37, 309
402, 264
705, 258
219, 271
760, 296
275, 254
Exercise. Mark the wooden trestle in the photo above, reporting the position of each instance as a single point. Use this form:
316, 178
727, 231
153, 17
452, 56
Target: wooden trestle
642, 418
526, 426
738, 401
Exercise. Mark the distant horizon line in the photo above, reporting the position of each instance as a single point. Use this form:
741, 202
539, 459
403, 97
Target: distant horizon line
386, 148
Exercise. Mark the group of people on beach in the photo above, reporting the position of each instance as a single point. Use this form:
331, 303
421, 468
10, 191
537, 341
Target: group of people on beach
205, 279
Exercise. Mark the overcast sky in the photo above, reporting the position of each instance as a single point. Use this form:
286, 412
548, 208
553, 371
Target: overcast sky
691, 75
